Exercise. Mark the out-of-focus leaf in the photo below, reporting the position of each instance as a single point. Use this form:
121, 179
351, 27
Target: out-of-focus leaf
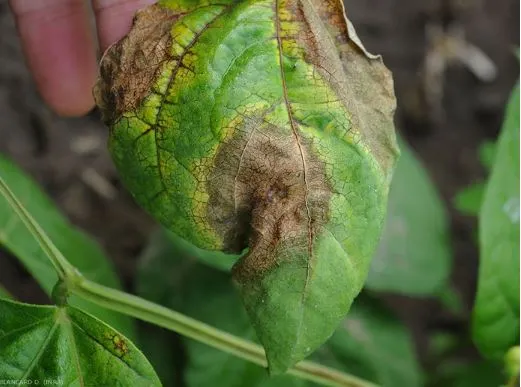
452, 373
512, 362
162, 349
4, 293
373, 337
468, 200
369, 343
216, 259
496, 310
266, 125
65, 346
79, 249
414, 255
451, 300
441, 343
487, 154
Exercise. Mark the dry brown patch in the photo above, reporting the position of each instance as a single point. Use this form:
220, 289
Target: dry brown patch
259, 199
130, 67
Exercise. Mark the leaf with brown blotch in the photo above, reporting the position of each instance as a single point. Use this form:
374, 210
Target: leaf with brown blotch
263, 125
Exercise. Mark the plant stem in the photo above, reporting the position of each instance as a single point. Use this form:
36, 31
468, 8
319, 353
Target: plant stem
73, 281
64, 269
156, 314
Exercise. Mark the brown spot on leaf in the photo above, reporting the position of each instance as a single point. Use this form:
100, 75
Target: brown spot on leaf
259, 199
120, 346
349, 68
129, 68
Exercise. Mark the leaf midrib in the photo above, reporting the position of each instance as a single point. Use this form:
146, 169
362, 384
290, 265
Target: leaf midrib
304, 171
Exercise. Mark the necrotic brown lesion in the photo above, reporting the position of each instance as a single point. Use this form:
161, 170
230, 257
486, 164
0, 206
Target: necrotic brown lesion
258, 198
129, 68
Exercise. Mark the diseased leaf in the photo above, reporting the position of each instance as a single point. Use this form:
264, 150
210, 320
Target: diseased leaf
79, 249
369, 343
65, 346
496, 309
414, 255
259, 124
168, 274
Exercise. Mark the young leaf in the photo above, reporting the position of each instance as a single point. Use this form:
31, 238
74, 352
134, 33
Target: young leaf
496, 310
39, 344
414, 255
79, 249
369, 342
261, 124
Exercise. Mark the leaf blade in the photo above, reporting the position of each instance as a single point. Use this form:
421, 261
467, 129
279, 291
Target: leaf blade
496, 310
290, 151
42, 343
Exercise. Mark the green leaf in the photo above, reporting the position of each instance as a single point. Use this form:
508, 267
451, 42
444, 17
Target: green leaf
487, 154
79, 249
496, 310
4, 293
451, 300
264, 125
512, 362
169, 275
162, 349
455, 374
215, 259
39, 344
414, 255
372, 338
369, 342
468, 201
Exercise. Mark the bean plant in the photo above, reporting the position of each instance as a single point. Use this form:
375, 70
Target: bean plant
259, 134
